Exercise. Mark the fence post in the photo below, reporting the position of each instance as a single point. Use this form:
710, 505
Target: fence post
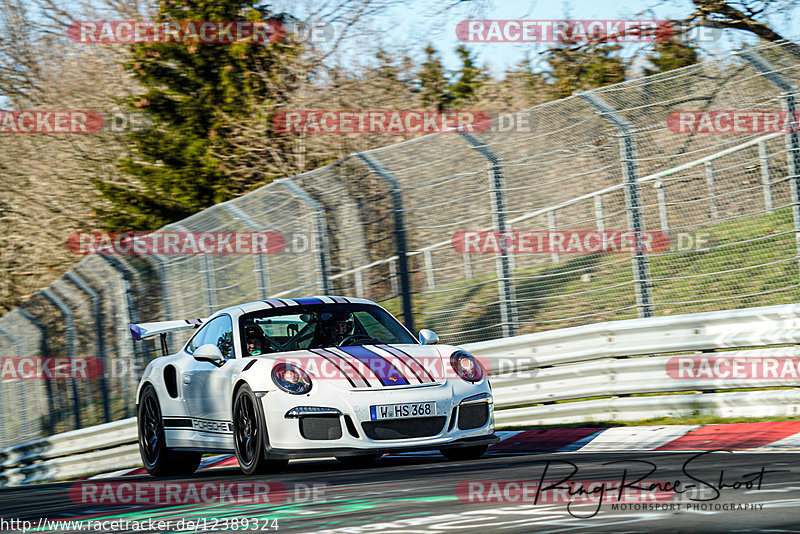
359, 282
69, 327
428, 260
467, 267
13, 339
393, 277
663, 215
788, 90
712, 189
641, 269
210, 283
508, 301
551, 227
163, 281
131, 315
18, 351
320, 232
73, 277
399, 233
763, 160
262, 274
599, 216
44, 350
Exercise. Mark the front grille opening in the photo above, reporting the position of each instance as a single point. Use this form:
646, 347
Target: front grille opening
419, 427
453, 419
473, 416
319, 427
351, 427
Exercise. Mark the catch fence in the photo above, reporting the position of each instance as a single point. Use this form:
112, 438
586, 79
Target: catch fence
380, 224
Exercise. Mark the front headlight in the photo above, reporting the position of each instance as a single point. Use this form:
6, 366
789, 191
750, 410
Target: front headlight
291, 379
466, 366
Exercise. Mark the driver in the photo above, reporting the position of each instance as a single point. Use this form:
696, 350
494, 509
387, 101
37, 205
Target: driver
255, 341
333, 331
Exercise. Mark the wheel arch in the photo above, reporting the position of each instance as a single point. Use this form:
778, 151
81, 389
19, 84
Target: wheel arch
236, 386
141, 389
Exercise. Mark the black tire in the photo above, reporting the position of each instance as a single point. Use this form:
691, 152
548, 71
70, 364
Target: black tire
464, 453
359, 460
250, 434
158, 460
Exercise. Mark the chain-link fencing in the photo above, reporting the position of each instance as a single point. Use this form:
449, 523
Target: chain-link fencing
381, 224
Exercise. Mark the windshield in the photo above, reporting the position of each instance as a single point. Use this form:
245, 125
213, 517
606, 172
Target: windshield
317, 326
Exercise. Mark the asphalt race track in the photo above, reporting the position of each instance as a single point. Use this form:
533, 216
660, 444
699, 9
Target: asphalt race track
420, 493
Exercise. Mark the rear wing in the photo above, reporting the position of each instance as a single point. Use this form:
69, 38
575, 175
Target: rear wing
161, 328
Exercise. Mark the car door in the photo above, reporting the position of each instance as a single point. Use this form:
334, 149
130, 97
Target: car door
205, 386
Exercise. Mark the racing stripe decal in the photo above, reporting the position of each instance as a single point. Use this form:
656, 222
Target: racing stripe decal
339, 367
355, 381
408, 359
281, 303
309, 300
360, 367
339, 300
401, 364
407, 362
387, 373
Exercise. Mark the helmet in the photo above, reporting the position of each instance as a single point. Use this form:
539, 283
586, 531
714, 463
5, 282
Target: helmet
253, 333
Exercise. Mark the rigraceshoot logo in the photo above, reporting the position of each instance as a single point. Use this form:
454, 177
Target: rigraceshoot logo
627, 484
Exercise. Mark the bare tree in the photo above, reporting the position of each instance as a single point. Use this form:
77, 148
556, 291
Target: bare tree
745, 16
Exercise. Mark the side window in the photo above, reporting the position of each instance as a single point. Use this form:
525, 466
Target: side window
222, 336
219, 332
197, 340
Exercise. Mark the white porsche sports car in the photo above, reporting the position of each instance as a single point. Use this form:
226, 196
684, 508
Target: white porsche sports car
307, 377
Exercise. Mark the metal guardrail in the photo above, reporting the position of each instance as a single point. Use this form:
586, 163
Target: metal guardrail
532, 375
77, 453
622, 358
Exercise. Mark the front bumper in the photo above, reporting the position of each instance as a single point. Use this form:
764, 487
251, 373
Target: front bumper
286, 440
353, 451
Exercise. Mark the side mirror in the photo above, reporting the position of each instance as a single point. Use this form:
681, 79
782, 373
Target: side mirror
209, 353
428, 337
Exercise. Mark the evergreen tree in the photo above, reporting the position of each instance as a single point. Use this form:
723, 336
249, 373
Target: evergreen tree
582, 66
193, 93
469, 78
671, 54
433, 81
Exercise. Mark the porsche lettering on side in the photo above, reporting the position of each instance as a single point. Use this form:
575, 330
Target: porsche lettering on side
307, 377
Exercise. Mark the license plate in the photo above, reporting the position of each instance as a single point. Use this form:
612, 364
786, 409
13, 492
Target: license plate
402, 411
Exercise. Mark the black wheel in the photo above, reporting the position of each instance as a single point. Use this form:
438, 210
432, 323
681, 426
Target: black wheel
360, 460
464, 453
157, 458
249, 435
